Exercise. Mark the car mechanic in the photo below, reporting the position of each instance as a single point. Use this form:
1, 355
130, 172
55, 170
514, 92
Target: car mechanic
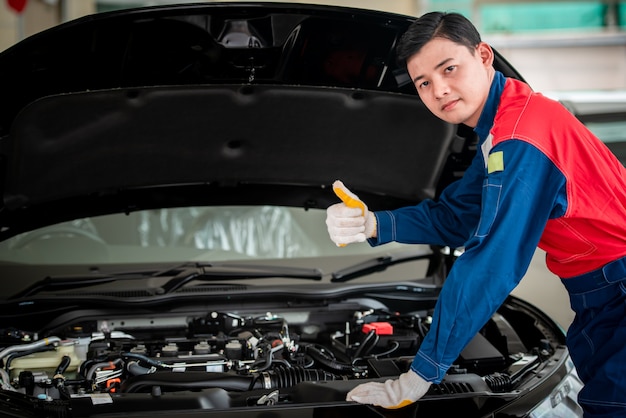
539, 178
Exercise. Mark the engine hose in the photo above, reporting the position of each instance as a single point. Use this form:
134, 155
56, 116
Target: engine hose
498, 382
189, 380
287, 377
63, 365
141, 357
193, 380
59, 384
36, 346
367, 346
135, 369
58, 381
328, 361
266, 362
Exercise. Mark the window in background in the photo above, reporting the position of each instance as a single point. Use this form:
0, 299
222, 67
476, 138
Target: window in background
538, 16
543, 16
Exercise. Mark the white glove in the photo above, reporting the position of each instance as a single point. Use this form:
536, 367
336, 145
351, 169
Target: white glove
349, 221
392, 394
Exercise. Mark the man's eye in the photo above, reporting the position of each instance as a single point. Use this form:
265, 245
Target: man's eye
450, 68
423, 84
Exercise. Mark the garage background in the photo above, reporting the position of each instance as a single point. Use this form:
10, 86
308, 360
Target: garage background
562, 48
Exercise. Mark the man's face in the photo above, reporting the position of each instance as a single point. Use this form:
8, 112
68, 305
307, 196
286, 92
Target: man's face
451, 81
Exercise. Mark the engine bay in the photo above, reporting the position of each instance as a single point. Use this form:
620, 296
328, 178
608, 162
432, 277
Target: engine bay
227, 359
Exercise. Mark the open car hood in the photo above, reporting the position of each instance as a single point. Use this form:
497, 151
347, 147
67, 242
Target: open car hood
215, 104
186, 108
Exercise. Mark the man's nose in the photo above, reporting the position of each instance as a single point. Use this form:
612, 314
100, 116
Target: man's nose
441, 89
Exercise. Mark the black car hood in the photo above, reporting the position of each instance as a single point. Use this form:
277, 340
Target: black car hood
215, 104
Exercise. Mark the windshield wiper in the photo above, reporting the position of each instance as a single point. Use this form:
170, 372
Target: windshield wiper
236, 272
75, 282
182, 274
376, 265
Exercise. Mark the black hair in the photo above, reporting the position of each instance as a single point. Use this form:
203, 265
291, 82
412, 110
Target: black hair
452, 26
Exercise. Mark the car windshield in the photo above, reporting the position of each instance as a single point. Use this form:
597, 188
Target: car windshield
271, 235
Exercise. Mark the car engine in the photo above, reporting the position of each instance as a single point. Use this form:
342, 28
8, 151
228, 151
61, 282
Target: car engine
225, 359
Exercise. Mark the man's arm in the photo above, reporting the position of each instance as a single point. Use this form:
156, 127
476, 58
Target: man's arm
517, 203
449, 221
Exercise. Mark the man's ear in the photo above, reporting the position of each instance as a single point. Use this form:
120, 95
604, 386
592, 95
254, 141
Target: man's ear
485, 53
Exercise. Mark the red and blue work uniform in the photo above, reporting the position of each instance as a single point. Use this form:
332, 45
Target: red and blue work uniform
540, 178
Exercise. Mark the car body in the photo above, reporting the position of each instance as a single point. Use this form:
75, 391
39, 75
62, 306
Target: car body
165, 175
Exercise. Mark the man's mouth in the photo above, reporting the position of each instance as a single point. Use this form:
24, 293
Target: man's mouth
449, 105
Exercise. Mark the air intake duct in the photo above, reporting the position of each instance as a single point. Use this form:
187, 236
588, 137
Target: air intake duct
285, 377
190, 380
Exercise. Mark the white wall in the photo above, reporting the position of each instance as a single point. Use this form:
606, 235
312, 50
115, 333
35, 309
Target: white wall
587, 61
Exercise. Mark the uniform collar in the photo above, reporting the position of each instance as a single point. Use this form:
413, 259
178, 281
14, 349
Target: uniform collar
485, 122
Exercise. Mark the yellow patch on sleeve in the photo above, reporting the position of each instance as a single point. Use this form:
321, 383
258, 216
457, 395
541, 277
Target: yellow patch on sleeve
495, 162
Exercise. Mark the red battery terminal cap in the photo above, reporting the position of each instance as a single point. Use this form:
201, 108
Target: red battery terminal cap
380, 328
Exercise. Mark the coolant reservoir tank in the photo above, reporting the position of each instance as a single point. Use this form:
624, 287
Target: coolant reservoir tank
45, 361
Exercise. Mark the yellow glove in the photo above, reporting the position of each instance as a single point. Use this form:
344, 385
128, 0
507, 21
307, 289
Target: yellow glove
392, 394
349, 221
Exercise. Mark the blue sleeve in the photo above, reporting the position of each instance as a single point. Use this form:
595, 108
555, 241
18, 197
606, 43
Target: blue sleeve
449, 221
517, 202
